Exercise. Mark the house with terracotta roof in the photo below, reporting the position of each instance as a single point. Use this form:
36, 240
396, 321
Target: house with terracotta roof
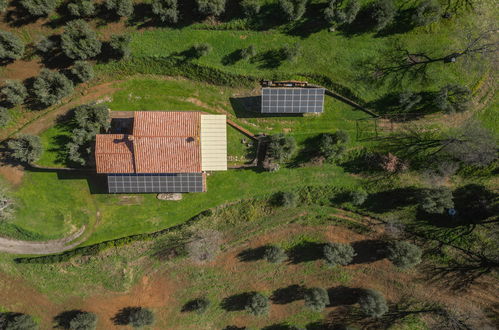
167, 152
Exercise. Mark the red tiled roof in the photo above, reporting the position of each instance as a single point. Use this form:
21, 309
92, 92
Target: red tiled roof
162, 142
113, 154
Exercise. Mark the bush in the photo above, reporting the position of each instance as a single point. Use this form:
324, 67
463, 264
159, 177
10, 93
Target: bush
281, 147
205, 245
274, 254
14, 92
436, 200
316, 299
82, 71
50, 87
293, 10
121, 8
382, 13
166, 10
257, 304
453, 98
285, 199
338, 254
199, 50
331, 146
251, 8
372, 303
11, 47
4, 117
83, 321
247, 53
139, 317
211, 7
39, 7
10, 321
79, 41
428, 11
199, 305
120, 46
25, 148
404, 254
358, 197
81, 8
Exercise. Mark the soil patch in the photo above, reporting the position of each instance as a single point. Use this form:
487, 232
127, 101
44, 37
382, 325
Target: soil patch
13, 174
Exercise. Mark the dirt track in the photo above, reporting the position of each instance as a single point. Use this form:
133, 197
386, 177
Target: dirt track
27, 247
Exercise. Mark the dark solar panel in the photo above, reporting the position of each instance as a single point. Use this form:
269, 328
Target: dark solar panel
292, 100
155, 183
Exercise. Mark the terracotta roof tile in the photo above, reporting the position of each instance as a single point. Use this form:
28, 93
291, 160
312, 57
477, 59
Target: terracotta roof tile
166, 123
113, 153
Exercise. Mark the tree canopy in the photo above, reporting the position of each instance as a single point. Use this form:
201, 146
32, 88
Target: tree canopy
139, 317
11, 47
316, 299
13, 92
166, 10
82, 71
404, 254
51, 86
83, 321
25, 148
79, 41
211, 7
281, 147
382, 13
39, 7
293, 10
121, 8
436, 200
338, 254
372, 303
81, 8
257, 304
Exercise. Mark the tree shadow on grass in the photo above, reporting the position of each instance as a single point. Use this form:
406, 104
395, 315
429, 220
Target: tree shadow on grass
288, 294
369, 251
306, 251
390, 200
311, 22
255, 254
342, 295
270, 59
63, 319
232, 58
123, 316
236, 302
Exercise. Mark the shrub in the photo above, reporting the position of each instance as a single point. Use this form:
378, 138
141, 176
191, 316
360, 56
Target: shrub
14, 92
274, 254
382, 13
25, 148
358, 197
139, 317
249, 52
211, 7
11, 47
17, 322
338, 254
39, 7
428, 11
120, 46
331, 146
251, 8
452, 98
293, 10
199, 305
121, 8
166, 10
81, 8
316, 299
257, 304
205, 245
4, 117
404, 254
281, 147
50, 86
79, 41
82, 71
436, 200
372, 303
285, 199
199, 50
291, 52
83, 321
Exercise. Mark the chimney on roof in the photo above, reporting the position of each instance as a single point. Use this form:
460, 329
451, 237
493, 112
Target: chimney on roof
130, 137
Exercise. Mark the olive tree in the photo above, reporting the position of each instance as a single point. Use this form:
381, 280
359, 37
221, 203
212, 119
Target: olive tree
50, 87
428, 11
274, 254
79, 41
338, 254
83, 321
14, 92
316, 299
293, 10
336, 13
6, 205
404, 254
257, 304
3, 5
82, 71
17, 321
120, 46
453, 98
11, 47
166, 10
251, 8
81, 8
285, 199
358, 197
92, 117
121, 8
372, 303
332, 146
281, 147
4, 117
25, 148
140, 316
211, 7
382, 13
39, 8
436, 200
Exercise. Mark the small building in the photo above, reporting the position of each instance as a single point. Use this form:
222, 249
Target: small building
167, 152
291, 98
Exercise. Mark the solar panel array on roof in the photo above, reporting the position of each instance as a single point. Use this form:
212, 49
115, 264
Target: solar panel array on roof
292, 100
156, 183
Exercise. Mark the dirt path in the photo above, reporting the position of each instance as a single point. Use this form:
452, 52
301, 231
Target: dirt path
27, 247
